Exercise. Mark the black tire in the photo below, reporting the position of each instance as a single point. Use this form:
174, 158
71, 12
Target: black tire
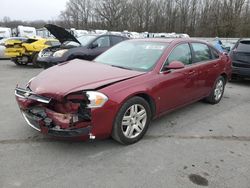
15, 60
212, 99
117, 132
35, 62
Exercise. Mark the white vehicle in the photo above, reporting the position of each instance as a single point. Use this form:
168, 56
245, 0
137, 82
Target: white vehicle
183, 35
2, 48
132, 35
43, 33
135, 35
24, 31
77, 32
5, 32
115, 33
100, 32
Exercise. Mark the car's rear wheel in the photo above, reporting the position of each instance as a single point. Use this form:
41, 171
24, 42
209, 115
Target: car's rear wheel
217, 92
132, 121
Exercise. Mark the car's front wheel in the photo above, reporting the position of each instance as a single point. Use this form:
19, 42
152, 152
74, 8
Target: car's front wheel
132, 121
217, 92
35, 62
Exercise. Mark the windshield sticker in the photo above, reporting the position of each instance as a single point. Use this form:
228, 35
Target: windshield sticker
154, 47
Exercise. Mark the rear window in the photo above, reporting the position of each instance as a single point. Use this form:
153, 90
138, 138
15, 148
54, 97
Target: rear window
244, 46
201, 52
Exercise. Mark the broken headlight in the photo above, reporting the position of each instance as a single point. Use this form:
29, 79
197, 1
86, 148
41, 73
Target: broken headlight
96, 99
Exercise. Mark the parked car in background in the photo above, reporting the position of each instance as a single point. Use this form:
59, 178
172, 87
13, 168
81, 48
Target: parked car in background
5, 32
85, 47
24, 31
127, 86
13, 41
240, 55
2, 49
26, 51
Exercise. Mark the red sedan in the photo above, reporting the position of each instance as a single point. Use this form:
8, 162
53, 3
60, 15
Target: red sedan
123, 89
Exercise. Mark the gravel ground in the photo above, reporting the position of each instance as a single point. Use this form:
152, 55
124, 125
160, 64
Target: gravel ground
199, 145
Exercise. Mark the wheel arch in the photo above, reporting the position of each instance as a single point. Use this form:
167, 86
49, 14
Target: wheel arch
149, 99
224, 75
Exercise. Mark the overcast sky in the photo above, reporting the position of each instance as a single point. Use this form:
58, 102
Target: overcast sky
27, 10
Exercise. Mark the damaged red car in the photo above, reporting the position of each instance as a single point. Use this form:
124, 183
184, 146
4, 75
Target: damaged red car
122, 90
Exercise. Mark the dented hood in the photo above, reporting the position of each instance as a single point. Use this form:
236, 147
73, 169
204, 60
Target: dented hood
60, 33
77, 75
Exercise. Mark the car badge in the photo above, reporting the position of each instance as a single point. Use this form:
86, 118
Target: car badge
27, 94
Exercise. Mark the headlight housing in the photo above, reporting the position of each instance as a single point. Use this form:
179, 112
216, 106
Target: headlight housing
96, 99
40, 53
59, 53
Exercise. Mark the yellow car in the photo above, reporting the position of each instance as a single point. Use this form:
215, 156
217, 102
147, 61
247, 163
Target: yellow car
24, 52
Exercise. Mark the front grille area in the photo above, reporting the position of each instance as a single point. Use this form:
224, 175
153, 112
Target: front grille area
46, 54
28, 94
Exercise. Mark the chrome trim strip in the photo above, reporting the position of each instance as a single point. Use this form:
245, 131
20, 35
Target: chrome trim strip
31, 93
26, 119
43, 101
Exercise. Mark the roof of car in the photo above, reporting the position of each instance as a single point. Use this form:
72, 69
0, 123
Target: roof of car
169, 40
245, 39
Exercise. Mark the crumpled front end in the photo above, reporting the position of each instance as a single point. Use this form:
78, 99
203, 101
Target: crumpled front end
14, 50
67, 118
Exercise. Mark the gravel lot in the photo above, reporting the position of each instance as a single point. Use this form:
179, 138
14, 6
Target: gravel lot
200, 144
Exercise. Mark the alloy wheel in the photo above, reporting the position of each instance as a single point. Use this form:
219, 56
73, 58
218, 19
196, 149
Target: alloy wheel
134, 121
218, 90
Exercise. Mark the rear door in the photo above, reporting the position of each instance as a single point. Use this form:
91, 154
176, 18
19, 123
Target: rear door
208, 62
241, 54
177, 87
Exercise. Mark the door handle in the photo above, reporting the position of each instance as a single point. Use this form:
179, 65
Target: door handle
190, 72
215, 65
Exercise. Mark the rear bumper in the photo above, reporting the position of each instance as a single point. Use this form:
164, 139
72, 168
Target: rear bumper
13, 52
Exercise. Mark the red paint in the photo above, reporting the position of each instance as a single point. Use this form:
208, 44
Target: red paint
168, 91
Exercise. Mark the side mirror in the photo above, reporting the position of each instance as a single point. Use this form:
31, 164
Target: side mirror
93, 45
175, 65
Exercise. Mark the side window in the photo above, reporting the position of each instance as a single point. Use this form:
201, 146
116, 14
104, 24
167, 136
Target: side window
103, 42
201, 52
115, 39
215, 54
181, 53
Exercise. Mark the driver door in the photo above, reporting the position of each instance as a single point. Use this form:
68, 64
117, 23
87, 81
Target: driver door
177, 87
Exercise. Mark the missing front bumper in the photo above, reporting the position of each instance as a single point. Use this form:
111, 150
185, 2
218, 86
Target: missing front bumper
38, 123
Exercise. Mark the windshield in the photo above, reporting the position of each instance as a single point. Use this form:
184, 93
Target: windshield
134, 55
86, 39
